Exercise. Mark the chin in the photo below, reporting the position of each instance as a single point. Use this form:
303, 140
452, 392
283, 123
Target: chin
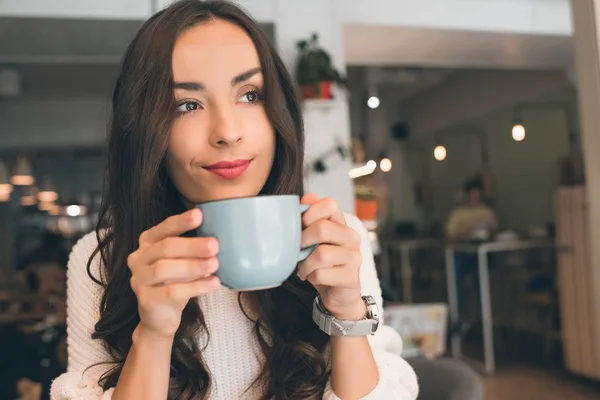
224, 194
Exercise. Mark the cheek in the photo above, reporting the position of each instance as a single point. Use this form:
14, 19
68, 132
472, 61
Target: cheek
183, 140
183, 145
259, 132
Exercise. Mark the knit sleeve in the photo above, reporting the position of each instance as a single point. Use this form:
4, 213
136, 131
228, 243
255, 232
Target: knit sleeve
397, 380
83, 311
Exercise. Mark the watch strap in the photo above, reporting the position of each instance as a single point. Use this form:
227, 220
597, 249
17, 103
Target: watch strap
336, 327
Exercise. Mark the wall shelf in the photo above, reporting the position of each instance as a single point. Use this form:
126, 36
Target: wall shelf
324, 105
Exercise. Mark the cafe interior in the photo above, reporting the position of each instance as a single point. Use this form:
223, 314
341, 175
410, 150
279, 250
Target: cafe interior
465, 146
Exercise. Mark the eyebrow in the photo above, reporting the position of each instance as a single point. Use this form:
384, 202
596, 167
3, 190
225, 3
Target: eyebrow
197, 86
245, 76
190, 86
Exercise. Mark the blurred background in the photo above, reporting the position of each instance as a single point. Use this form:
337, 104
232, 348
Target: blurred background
463, 133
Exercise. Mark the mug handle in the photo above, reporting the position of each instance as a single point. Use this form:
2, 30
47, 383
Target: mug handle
307, 251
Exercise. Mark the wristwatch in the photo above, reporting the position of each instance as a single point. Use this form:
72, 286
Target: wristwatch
337, 327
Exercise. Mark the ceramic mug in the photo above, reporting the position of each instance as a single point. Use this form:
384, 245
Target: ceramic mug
259, 239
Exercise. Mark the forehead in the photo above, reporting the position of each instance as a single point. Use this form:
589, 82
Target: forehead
213, 48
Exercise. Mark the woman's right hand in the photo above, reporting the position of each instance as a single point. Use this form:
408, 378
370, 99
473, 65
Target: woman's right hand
167, 270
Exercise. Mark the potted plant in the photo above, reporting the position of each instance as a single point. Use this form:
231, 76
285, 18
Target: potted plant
314, 71
365, 202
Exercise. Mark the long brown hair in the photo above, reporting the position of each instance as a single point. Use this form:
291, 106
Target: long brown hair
139, 194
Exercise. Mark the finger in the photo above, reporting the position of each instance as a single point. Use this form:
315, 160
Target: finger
327, 256
175, 247
309, 199
339, 277
171, 227
167, 271
329, 232
185, 291
326, 208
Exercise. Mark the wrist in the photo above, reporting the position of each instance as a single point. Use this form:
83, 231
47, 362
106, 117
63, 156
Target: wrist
143, 335
354, 312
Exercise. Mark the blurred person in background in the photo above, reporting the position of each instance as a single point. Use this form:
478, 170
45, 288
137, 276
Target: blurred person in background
201, 85
473, 219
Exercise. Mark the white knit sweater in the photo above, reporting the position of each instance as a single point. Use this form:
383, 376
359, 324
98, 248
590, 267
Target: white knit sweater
232, 355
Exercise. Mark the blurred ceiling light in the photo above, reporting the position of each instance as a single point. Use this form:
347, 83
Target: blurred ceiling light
363, 170
373, 102
440, 153
27, 201
45, 205
5, 186
518, 132
4, 197
75, 210
47, 191
23, 175
385, 164
55, 210
28, 198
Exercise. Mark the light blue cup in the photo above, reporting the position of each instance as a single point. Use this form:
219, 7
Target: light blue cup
259, 239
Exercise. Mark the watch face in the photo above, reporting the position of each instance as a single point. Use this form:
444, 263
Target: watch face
373, 311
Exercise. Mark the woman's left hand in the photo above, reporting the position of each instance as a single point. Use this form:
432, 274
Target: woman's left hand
333, 268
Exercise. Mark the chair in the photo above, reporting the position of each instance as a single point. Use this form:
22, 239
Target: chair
447, 379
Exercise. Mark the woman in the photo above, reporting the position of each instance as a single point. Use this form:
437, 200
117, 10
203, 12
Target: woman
200, 86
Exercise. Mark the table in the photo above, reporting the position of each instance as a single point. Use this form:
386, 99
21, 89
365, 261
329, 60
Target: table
482, 250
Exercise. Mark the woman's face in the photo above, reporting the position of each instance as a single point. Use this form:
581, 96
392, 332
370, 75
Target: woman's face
221, 144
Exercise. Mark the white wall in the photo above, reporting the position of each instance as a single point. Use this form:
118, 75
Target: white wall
261, 10
541, 17
586, 17
518, 16
328, 126
105, 9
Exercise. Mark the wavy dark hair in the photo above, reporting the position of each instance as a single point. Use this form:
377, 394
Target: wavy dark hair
139, 194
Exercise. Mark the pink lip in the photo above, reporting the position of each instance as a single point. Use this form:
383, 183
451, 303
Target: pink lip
229, 169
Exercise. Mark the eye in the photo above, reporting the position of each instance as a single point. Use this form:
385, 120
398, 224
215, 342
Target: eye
252, 96
188, 106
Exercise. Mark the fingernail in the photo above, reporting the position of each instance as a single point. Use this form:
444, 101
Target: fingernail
195, 216
214, 265
214, 246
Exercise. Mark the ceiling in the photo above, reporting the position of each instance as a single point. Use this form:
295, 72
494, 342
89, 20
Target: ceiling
69, 41
376, 45
36, 40
399, 83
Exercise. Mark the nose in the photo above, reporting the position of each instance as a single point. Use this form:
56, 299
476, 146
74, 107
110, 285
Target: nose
225, 130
